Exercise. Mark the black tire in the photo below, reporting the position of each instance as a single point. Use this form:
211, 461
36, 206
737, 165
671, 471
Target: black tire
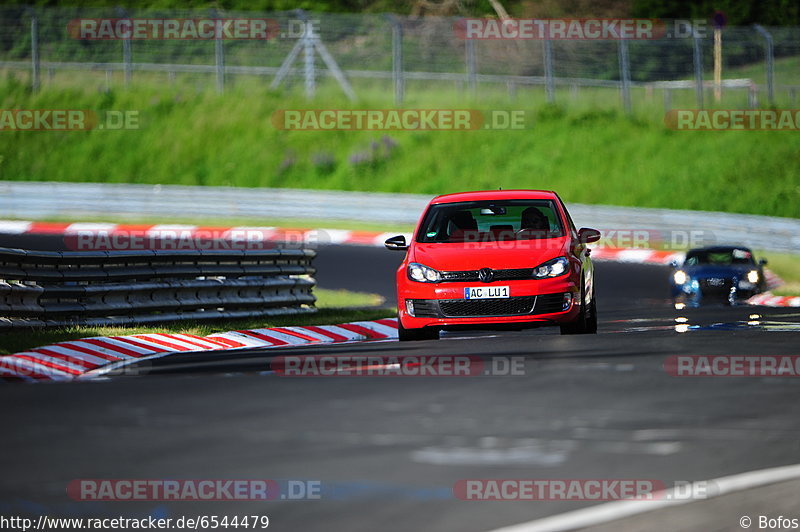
591, 320
587, 318
413, 335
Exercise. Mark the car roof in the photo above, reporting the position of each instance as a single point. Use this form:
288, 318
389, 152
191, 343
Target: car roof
479, 195
718, 249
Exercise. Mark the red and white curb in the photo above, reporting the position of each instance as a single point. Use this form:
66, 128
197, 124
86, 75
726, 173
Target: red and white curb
84, 236
90, 357
767, 299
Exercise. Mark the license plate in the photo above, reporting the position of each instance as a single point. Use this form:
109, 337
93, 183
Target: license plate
486, 292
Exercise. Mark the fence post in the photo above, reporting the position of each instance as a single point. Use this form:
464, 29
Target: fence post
472, 69
219, 53
625, 75
34, 50
549, 85
769, 61
698, 67
397, 60
308, 58
127, 61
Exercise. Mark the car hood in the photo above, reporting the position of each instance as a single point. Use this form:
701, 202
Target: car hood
704, 272
495, 255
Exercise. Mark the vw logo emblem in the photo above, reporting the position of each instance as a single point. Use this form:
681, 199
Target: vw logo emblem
485, 275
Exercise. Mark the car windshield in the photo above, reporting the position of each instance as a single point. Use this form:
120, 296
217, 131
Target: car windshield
486, 221
721, 257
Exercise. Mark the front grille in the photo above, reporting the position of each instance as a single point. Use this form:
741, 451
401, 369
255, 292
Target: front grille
512, 306
715, 287
499, 275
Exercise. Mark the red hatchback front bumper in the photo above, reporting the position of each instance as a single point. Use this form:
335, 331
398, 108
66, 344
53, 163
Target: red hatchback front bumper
530, 302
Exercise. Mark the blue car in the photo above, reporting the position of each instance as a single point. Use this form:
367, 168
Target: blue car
719, 274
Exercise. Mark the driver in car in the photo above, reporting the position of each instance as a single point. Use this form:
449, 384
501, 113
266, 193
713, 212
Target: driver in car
533, 224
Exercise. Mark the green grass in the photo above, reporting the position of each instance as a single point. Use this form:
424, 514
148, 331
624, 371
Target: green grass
786, 71
588, 151
335, 306
787, 267
327, 298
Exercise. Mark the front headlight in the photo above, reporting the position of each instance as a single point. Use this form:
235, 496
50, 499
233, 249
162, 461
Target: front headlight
551, 268
423, 274
752, 276
680, 277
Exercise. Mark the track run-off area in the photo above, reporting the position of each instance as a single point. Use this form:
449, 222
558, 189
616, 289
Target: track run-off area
389, 451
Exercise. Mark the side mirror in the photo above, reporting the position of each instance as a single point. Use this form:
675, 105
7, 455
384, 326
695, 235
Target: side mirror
587, 236
762, 262
396, 243
673, 264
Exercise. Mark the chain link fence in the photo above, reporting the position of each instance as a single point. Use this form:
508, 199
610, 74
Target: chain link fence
403, 56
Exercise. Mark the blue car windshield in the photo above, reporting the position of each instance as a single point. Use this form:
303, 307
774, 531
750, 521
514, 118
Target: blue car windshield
721, 257
487, 221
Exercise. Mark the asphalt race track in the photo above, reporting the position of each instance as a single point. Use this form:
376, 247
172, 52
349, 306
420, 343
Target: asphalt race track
388, 450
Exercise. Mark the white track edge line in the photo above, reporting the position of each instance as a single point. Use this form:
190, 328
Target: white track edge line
612, 511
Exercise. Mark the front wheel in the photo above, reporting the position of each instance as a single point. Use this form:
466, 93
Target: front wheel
587, 319
413, 335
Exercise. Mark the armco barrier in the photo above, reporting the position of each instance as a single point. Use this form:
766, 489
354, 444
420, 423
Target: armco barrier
56, 288
23, 199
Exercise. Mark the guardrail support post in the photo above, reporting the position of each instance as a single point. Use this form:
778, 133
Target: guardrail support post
752, 96
769, 58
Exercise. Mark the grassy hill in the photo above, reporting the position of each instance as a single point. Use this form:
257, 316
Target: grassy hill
588, 153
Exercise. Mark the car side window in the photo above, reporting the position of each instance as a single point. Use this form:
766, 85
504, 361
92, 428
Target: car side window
573, 231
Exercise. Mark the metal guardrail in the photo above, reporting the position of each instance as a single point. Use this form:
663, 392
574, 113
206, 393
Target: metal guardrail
26, 200
56, 288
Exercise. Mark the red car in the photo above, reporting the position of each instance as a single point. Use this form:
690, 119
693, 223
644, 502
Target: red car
495, 259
